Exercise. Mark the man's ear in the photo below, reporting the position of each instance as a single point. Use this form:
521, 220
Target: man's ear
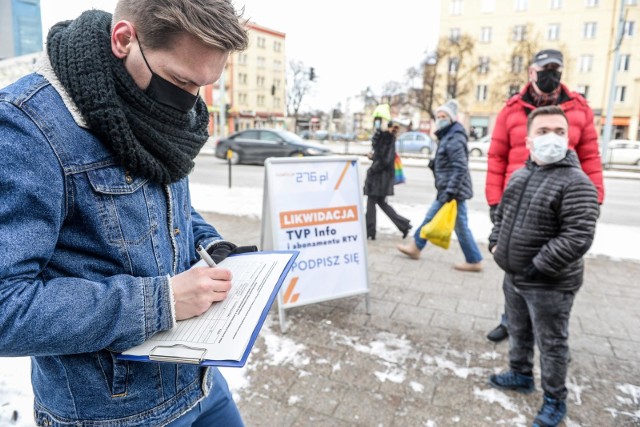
122, 36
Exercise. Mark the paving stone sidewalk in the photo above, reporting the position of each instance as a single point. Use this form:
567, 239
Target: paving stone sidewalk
420, 358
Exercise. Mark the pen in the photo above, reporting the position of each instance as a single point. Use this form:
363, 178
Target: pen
205, 256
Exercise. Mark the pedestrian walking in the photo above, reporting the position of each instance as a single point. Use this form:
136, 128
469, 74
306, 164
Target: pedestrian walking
453, 182
380, 180
96, 227
508, 150
544, 225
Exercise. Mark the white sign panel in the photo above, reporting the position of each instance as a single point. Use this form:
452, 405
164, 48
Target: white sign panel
314, 205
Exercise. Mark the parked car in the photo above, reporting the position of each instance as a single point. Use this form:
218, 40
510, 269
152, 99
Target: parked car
415, 142
321, 135
256, 145
480, 147
623, 151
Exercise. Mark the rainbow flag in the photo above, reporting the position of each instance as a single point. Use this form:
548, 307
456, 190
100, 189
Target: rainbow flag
399, 175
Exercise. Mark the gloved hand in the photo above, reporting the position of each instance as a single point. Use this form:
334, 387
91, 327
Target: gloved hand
532, 273
446, 197
222, 249
492, 213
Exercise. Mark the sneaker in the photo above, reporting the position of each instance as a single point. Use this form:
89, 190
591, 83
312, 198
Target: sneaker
513, 381
551, 413
410, 250
500, 333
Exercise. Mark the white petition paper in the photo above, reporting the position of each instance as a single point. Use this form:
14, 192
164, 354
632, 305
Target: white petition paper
224, 330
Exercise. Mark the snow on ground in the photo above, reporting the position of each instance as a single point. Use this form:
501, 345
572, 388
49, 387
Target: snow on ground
615, 241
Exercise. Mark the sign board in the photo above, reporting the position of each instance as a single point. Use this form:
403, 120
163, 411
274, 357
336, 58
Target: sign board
314, 205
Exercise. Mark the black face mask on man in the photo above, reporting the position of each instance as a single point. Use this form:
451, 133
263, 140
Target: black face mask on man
548, 80
167, 93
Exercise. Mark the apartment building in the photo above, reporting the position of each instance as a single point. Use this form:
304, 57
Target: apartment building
20, 28
254, 84
506, 34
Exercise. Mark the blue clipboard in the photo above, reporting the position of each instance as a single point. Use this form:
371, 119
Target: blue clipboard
180, 353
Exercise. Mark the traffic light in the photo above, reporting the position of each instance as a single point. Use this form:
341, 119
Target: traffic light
312, 73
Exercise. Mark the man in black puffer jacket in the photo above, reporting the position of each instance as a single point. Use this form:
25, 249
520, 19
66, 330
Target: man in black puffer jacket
544, 225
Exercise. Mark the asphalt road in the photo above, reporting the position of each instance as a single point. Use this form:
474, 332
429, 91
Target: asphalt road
621, 207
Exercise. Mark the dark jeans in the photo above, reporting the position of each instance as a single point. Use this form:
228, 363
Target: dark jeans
541, 315
401, 222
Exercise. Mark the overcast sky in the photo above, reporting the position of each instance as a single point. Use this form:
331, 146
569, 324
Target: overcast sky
351, 44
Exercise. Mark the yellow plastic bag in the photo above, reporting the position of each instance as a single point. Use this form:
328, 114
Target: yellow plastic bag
438, 230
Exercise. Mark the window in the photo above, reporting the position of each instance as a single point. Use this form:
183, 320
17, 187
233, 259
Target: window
454, 34
242, 78
242, 98
521, 5
629, 28
517, 64
262, 42
277, 65
555, 4
584, 90
589, 31
586, 62
453, 65
451, 91
591, 3
483, 65
456, 7
485, 34
277, 102
519, 33
620, 93
260, 100
488, 6
481, 93
553, 31
277, 46
625, 60
260, 81
242, 58
261, 62
631, 2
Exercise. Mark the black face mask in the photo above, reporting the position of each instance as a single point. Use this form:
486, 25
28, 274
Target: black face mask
548, 80
167, 93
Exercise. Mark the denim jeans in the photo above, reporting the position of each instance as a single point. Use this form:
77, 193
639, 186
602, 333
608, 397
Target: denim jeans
540, 315
217, 409
465, 238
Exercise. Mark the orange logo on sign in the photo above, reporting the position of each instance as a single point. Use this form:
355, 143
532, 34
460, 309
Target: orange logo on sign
308, 217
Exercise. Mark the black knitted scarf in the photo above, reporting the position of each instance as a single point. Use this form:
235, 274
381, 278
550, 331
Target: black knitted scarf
150, 139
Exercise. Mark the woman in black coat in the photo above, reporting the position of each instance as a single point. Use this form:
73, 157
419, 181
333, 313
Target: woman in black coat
380, 181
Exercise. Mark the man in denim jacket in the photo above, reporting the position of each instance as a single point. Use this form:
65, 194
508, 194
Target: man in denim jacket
97, 232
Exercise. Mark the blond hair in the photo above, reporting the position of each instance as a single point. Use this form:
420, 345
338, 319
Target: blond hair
214, 22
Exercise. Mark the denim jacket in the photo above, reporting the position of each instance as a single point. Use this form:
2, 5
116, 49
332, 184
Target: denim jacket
86, 252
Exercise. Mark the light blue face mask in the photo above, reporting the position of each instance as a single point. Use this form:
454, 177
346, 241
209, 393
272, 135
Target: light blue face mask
442, 123
549, 148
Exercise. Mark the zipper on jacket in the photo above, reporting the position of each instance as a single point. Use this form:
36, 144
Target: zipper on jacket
174, 245
526, 184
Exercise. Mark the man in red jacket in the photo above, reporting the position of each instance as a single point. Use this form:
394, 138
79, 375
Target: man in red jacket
508, 150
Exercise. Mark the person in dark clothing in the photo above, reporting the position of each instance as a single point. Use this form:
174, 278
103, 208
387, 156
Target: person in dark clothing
380, 181
508, 151
544, 225
453, 181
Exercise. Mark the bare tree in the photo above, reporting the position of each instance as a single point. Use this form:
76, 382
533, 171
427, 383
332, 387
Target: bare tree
510, 79
457, 54
421, 82
298, 85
